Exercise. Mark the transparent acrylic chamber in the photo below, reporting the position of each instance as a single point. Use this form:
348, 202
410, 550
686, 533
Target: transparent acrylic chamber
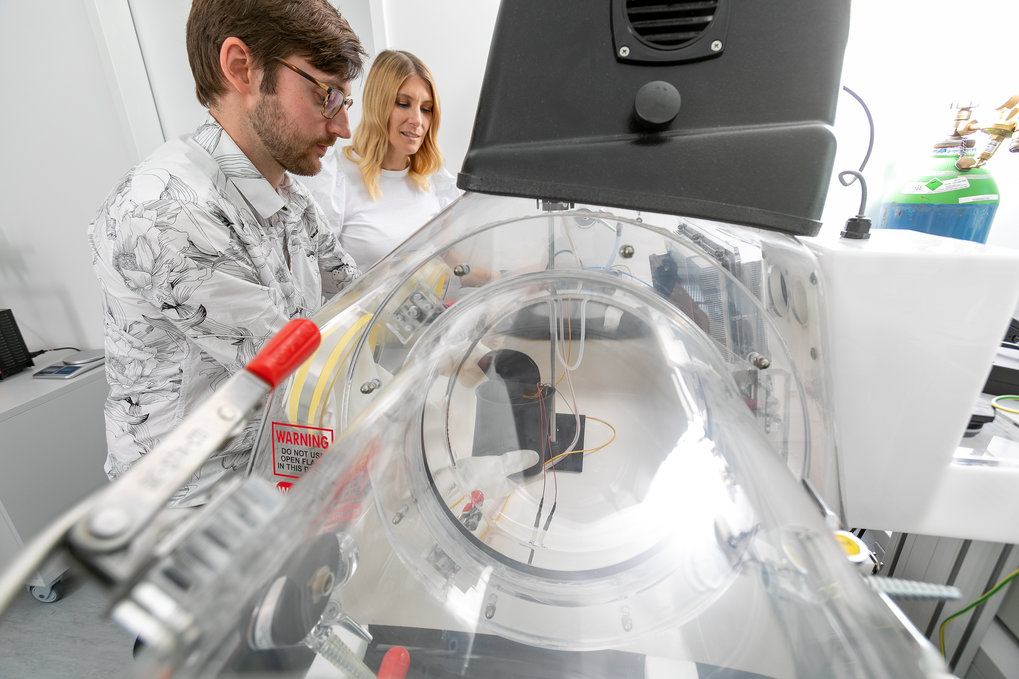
565, 442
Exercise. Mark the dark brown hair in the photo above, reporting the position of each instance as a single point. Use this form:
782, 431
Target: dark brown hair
312, 29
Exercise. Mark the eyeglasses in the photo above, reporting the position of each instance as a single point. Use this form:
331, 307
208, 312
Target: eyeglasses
335, 99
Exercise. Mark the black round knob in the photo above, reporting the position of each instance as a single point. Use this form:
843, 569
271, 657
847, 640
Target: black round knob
656, 104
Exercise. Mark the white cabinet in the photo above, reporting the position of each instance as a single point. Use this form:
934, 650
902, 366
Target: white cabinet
52, 449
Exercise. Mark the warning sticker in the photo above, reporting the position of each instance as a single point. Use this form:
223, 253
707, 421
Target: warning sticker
295, 448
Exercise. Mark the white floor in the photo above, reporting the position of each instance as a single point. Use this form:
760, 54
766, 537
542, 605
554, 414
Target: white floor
67, 639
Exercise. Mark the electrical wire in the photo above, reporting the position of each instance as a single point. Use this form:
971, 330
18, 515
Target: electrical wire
863, 186
1005, 397
859, 227
534, 534
550, 463
33, 354
551, 512
559, 327
537, 519
544, 416
870, 123
562, 332
569, 352
987, 595
572, 404
555, 459
545, 451
544, 469
569, 237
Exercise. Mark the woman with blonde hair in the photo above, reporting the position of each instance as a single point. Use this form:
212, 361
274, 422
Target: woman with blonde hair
390, 181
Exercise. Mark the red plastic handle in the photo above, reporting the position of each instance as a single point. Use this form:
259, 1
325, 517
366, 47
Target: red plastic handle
287, 349
395, 663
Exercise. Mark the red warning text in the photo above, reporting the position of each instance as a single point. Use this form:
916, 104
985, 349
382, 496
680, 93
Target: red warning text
295, 448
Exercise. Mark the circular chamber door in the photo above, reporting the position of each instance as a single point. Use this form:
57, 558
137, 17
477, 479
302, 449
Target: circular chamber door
567, 457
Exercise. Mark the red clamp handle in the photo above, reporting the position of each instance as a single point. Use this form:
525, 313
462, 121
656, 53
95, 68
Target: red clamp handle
287, 349
395, 663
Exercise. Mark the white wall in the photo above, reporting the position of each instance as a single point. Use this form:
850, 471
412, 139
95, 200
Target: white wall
452, 38
78, 112
63, 150
160, 35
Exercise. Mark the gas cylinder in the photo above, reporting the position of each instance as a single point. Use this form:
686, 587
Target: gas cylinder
943, 199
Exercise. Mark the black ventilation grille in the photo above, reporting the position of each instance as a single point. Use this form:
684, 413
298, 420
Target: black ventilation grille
669, 25
658, 31
767, 165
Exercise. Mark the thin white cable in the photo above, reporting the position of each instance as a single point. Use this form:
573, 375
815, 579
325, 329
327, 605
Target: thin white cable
583, 334
572, 405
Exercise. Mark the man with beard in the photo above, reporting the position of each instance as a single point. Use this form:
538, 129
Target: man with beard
209, 246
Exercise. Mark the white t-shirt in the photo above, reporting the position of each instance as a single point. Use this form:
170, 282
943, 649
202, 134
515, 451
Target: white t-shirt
371, 229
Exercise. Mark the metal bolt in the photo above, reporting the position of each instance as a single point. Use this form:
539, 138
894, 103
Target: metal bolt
716, 46
371, 385
331, 613
461, 270
624, 51
813, 277
109, 522
626, 251
759, 361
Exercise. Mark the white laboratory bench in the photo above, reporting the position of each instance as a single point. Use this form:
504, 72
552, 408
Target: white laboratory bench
52, 449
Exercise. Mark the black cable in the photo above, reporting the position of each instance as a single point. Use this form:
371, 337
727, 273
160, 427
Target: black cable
549, 519
33, 354
537, 522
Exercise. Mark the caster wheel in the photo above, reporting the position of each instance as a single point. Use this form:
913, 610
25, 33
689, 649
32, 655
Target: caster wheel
48, 595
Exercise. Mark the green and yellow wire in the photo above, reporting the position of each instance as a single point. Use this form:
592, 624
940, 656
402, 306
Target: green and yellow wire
1005, 397
991, 592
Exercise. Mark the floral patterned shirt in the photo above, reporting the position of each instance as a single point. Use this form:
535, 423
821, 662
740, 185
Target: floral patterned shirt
200, 261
